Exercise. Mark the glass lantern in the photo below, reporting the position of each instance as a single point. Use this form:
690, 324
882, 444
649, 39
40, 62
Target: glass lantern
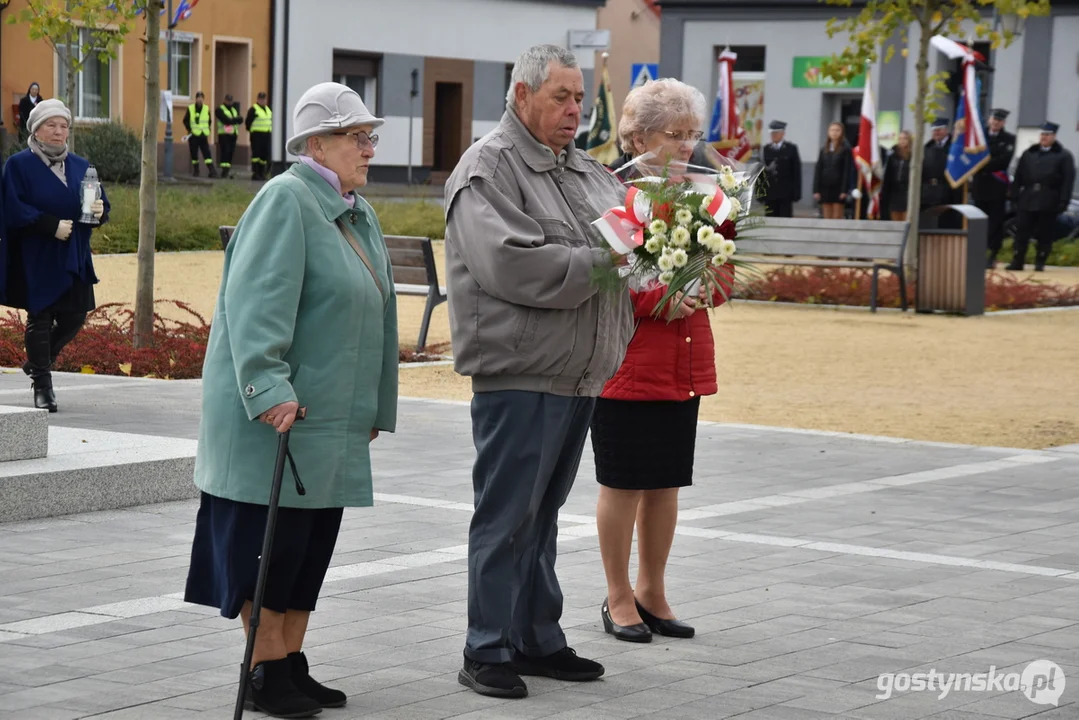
90, 192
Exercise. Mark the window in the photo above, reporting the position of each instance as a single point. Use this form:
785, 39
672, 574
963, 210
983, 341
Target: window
180, 71
93, 84
981, 72
750, 58
359, 73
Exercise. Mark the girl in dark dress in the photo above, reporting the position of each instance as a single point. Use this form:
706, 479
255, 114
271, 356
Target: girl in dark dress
50, 272
893, 192
833, 178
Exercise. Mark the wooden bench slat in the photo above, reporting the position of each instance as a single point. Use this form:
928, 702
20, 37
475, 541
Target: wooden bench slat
405, 242
831, 250
826, 237
810, 262
411, 276
407, 258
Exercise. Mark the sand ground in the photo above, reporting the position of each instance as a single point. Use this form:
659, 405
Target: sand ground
1008, 380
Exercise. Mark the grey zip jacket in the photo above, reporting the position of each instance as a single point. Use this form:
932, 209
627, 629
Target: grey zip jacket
524, 311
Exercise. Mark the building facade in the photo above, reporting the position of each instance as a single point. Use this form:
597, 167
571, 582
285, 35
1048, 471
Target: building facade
221, 48
437, 71
634, 28
780, 44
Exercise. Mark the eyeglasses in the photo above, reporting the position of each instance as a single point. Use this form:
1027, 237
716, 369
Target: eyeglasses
691, 136
360, 138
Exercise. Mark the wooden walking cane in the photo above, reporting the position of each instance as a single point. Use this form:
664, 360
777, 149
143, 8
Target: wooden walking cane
264, 562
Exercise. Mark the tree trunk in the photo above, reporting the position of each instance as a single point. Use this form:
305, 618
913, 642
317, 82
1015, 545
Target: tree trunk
144, 285
72, 61
914, 194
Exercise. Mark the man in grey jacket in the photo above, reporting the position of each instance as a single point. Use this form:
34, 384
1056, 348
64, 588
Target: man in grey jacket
539, 341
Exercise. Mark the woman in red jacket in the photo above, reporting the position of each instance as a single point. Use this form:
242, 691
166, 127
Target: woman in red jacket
669, 365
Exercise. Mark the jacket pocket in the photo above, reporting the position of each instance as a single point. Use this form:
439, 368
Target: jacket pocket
559, 232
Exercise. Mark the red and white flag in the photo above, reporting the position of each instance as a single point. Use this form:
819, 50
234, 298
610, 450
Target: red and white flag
867, 154
726, 133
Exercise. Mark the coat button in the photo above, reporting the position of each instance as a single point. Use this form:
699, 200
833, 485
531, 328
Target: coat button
692, 394
689, 339
249, 390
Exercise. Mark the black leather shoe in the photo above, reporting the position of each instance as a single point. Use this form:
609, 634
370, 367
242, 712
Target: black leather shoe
667, 628
638, 633
301, 678
44, 397
492, 680
561, 665
271, 690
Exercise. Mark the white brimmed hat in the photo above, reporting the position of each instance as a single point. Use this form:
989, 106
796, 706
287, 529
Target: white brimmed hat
324, 108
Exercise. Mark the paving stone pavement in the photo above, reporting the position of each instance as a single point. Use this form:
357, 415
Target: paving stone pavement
810, 563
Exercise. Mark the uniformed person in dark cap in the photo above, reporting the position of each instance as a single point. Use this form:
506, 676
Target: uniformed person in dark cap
783, 172
990, 185
1043, 185
935, 187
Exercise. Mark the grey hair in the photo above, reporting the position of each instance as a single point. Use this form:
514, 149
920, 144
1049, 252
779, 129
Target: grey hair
656, 106
533, 68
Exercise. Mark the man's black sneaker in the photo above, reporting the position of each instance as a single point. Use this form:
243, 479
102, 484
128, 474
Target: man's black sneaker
494, 680
562, 665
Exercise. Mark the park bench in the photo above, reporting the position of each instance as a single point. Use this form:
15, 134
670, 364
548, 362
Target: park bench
414, 272
810, 242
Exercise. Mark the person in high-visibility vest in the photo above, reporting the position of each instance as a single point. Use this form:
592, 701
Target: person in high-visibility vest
197, 122
228, 120
259, 123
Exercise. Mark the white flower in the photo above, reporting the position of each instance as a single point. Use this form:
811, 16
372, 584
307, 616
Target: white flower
683, 217
665, 262
728, 248
736, 207
666, 277
705, 235
653, 245
704, 208
658, 227
680, 237
727, 182
719, 260
680, 258
660, 238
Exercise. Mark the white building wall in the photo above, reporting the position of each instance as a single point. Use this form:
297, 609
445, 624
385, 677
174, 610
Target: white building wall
484, 30
802, 108
1064, 81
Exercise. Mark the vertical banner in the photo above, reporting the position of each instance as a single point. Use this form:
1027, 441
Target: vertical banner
749, 94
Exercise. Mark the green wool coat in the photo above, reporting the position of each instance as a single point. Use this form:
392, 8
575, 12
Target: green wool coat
299, 318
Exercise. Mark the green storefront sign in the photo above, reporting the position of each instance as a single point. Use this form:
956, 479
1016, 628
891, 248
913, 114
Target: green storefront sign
808, 74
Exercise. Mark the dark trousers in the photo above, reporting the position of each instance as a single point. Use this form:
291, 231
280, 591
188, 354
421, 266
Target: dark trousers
226, 147
779, 208
995, 238
528, 447
1038, 224
260, 153
46, 335
197, 143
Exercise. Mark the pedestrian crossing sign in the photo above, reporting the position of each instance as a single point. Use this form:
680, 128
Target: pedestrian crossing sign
642, 73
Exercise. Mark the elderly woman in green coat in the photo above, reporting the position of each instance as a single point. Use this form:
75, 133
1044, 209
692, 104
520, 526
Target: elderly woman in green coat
306, 317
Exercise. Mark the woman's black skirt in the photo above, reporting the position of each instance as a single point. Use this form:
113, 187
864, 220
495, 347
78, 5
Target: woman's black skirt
644, 445
227, 545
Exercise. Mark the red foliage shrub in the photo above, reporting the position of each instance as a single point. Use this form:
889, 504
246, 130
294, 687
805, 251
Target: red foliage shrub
844, 286
105, 345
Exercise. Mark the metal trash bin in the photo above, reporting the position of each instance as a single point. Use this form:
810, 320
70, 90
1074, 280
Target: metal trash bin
951, 262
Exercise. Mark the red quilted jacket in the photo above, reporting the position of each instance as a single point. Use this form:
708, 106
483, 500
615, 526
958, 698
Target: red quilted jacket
673, 360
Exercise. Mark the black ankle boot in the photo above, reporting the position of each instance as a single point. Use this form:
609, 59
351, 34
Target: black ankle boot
301, 678
271, 690
44, 397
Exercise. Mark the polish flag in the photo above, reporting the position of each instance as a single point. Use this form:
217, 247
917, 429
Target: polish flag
867, 154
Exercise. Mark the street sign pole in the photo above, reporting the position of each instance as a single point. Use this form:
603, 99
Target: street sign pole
168, 86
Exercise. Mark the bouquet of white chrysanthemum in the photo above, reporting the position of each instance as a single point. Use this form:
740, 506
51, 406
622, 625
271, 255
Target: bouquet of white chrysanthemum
678, 226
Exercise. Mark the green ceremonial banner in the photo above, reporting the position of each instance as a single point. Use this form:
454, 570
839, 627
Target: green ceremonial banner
601, 143
808, 74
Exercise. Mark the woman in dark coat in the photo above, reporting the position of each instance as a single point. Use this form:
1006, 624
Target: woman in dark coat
50, 272
833, 178
27, 104
896, 186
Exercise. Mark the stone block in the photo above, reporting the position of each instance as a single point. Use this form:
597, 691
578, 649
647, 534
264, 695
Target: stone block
91, 470
24, 433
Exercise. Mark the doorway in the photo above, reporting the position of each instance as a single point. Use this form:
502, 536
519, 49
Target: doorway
232, 74
449, 103
850, 114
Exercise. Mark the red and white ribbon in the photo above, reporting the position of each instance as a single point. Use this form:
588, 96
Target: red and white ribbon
623, 227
